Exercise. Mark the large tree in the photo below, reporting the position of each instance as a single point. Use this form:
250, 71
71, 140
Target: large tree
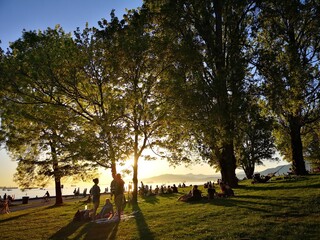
50, 70
138, 72
288, 42
208, 40
43, 141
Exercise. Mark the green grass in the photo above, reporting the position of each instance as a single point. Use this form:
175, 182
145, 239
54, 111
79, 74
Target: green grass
283, 209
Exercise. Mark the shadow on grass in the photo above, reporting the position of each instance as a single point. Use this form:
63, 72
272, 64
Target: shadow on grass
155, 199
88, 230
151, 199
13, 218
143, 228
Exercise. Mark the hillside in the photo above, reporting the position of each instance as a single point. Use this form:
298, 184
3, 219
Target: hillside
199, 178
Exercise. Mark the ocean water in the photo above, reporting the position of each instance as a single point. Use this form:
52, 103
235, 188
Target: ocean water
69, 189
39, 192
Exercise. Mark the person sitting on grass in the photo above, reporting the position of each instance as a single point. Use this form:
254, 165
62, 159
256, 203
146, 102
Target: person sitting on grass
194, 195
226, 190
107, 210
211, 191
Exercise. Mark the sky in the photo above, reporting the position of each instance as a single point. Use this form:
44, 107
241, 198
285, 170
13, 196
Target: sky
16, 15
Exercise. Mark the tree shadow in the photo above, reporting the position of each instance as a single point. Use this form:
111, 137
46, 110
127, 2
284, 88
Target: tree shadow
151, 199
13, 218
143, 228
67, 230
89, 230
98, 231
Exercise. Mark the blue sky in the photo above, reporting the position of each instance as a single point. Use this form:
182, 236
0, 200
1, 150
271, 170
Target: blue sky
16, 15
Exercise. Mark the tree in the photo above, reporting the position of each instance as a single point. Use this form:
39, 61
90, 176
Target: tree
208, 40
139, 86
288, 43
43, 132
311, 141
43, 142
254, 141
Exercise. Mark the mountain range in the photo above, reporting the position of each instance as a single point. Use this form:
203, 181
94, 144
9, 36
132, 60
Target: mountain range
201, 178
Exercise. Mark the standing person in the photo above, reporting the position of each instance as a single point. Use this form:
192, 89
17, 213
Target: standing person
95, 192
119, 194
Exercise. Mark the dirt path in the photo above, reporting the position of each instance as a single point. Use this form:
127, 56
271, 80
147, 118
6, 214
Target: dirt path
33, 203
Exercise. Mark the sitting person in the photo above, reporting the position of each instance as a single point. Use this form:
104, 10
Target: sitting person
185, 197
194, 195
211, 192
174, 188
229, 192
226, 190
107, 210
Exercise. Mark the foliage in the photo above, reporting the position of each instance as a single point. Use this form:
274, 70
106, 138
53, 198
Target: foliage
254, 142
209, 64
288, 43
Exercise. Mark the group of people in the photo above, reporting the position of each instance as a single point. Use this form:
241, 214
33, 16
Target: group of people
195, 194
146, 190
117, 191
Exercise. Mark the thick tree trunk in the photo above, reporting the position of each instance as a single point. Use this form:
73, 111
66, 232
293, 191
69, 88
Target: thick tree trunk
113, 168
298, 163
57, 176
228, 165
248, 170
59, 200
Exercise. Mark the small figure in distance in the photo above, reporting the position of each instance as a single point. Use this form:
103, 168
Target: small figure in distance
46, 196
174, 188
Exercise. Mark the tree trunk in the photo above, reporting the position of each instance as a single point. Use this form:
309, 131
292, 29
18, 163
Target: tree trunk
135, 179
298, 163
228, 165
248, 170
113, 168
59, 200
57, 176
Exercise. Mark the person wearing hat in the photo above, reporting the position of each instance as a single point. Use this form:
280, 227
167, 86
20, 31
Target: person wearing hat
95, 192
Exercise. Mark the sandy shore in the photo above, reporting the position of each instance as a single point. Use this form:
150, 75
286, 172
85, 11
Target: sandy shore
18, 204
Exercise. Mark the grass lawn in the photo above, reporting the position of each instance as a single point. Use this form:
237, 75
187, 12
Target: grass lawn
280, 209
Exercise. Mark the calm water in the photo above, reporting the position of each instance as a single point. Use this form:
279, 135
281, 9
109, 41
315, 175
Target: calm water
37, 192
68, 190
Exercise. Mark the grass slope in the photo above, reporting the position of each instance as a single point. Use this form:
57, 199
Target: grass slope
282, 209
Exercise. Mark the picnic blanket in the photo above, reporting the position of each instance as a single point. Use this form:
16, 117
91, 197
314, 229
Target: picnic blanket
115, 218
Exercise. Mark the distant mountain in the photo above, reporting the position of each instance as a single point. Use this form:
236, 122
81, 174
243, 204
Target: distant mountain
283, 169
201, 178
180, 178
